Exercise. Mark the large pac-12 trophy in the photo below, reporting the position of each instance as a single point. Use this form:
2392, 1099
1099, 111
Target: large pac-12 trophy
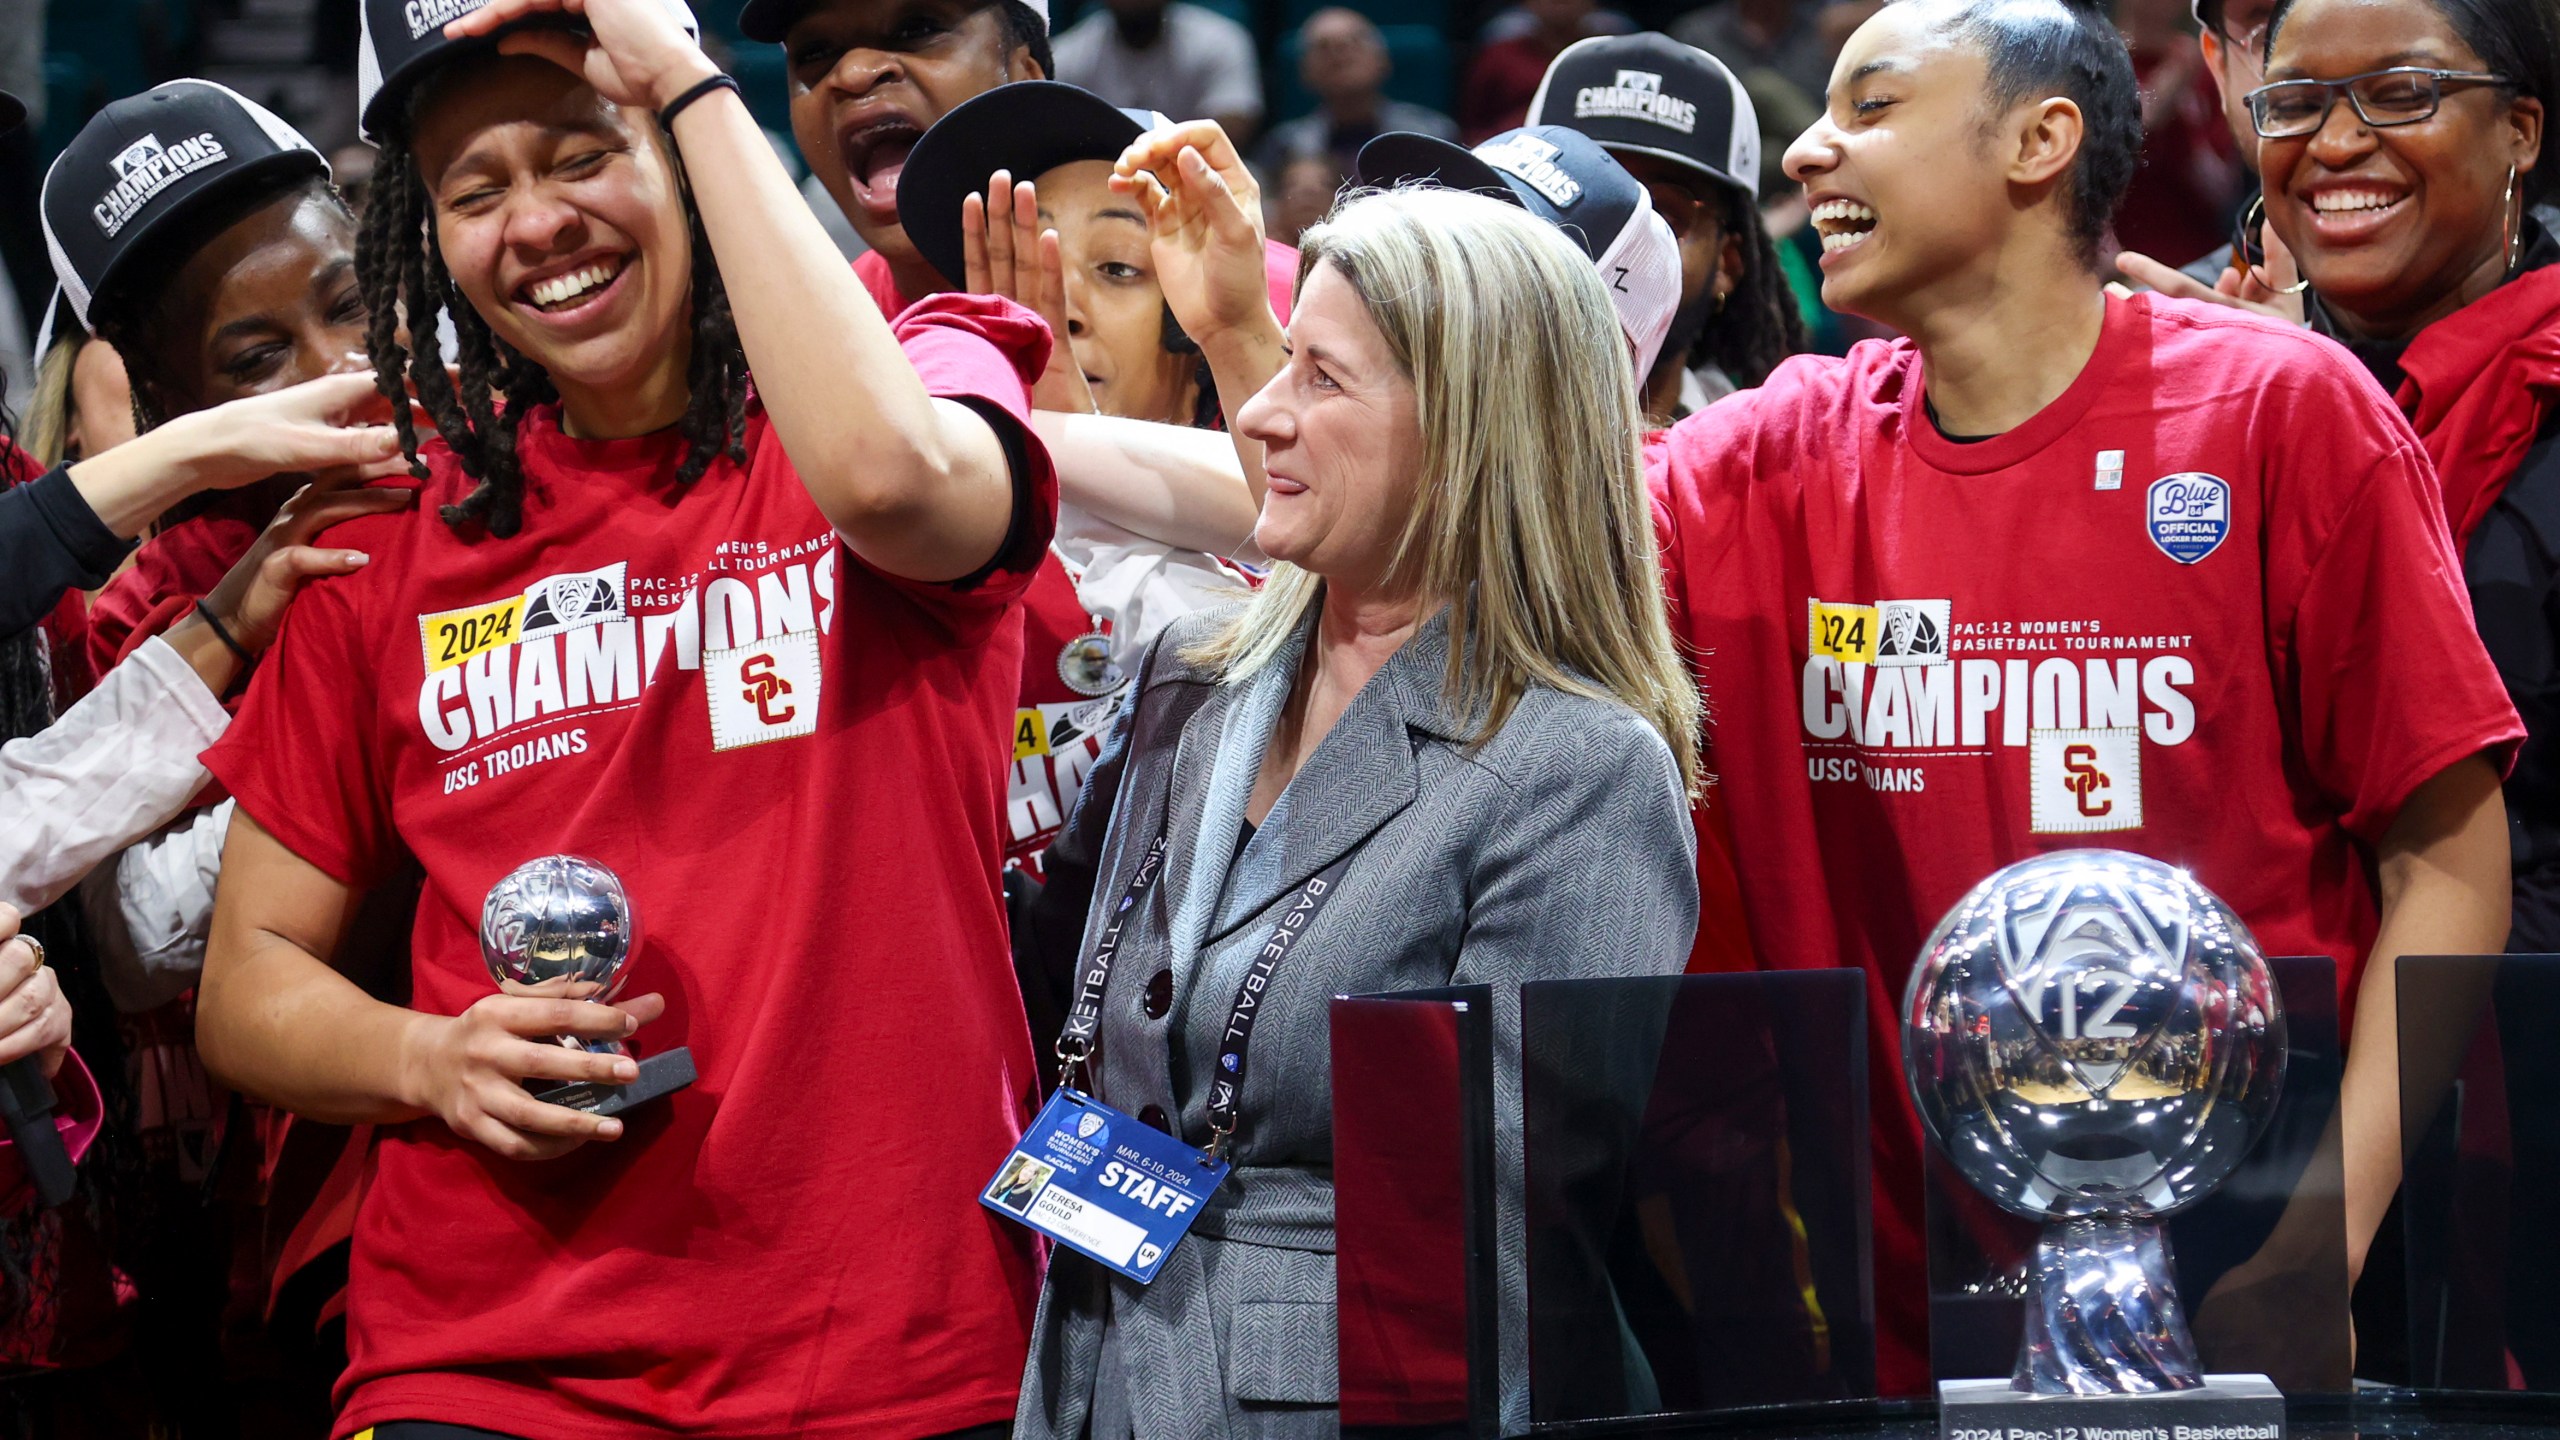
2094, 1042
562, 926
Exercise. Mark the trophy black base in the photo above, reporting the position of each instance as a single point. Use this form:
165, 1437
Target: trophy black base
659, 1075
2226, 1407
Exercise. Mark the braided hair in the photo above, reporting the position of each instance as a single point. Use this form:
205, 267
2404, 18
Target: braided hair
1760, 324
480, 409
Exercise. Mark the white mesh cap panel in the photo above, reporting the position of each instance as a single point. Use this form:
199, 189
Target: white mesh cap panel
1641, 267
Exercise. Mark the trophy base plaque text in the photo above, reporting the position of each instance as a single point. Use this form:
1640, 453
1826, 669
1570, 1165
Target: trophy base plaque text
2225, 1407
659, 1075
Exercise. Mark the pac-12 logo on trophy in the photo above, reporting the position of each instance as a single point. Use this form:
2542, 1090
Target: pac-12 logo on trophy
2094, 1042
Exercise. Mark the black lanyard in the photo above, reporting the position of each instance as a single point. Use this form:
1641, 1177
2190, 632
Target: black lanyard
1084, 1021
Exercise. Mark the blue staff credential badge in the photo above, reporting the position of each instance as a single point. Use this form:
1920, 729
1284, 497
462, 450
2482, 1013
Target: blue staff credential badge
1103, 1184
2189, 515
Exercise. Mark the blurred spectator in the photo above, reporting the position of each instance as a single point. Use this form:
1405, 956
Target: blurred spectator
2180, 204
1513, 21
1506, 72
1189, 62
1343, 61
1781, 37
2231, 38
1300, 195
352, 164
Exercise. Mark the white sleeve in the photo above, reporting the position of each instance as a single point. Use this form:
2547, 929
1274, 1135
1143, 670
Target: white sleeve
151, 911
1139, 585
114, 768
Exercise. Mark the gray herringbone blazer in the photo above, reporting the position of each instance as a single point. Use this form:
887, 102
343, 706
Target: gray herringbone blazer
1561, 847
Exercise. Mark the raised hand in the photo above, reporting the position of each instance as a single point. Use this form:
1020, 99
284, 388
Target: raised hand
1003, 251
1206, 211
2272, 289
634, 52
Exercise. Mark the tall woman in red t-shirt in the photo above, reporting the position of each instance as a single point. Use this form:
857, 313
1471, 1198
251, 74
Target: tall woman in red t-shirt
750, 650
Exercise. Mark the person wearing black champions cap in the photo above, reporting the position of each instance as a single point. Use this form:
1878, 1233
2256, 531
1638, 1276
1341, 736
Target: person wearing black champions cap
68, 528
722, 634
199, 235
1680, 122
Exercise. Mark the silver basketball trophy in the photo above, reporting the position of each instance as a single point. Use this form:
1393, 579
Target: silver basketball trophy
561, 926
2094, 1042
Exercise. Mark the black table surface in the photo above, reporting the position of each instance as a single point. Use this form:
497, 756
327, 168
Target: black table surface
2367, 1414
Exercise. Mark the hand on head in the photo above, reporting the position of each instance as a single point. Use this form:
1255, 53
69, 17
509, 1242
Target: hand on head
337, 423
635, 53
35, 1018
1005, 251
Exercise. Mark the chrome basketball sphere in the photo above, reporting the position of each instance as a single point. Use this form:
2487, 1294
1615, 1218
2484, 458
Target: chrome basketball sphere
2093, 1033
558, 926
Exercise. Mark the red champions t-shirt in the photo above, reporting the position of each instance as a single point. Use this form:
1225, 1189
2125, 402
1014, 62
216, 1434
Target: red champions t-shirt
2201, 607
790, 760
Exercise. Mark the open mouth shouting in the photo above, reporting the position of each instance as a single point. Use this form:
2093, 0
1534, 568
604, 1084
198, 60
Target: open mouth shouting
576, 291
1844, 225
874, 151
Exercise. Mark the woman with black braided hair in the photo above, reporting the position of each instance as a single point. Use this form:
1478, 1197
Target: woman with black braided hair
753, 651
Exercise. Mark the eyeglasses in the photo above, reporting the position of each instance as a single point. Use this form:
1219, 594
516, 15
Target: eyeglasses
2403, 95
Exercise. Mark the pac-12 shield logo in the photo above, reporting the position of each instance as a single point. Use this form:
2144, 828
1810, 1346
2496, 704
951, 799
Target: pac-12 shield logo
2189, 515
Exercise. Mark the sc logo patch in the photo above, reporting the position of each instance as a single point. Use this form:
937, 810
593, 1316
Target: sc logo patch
2189, 515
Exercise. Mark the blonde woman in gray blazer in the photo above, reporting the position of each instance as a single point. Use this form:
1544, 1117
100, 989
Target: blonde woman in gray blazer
1460, 677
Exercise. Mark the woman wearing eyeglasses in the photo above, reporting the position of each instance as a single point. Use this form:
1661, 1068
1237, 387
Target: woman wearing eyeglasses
2399, 143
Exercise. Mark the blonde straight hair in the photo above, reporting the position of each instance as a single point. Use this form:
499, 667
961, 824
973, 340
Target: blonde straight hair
1531, 520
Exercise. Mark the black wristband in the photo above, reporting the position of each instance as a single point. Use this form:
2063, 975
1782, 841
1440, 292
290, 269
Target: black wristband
223, 635
715, 81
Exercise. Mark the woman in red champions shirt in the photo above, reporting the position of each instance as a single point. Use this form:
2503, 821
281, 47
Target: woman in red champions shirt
763, 685
2064, 569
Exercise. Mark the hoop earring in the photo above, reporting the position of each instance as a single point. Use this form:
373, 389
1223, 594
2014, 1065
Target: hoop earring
2515, 223
2257, 212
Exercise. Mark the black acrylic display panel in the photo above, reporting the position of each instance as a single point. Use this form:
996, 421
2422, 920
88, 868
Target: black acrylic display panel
1696, 1166
2283, 1318
2480, 1130
1413, 1218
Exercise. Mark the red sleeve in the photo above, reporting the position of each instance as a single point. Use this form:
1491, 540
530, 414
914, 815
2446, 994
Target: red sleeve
986, 352
124, 615
2387, 668
171, 571
301, 756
